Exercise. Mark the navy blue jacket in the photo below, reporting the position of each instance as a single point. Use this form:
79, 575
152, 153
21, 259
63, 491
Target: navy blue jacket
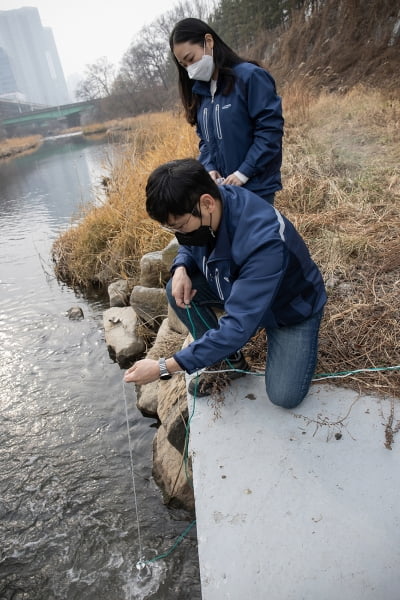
243, 130
262, 271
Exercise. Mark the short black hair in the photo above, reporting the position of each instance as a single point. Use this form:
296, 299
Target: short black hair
175, 187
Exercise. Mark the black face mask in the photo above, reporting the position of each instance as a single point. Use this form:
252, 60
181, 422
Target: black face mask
199, 237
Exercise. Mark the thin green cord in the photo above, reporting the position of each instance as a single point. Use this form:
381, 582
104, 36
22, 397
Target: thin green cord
177, 542
347, 373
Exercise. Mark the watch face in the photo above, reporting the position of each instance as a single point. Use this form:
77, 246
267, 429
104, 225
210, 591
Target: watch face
165, 376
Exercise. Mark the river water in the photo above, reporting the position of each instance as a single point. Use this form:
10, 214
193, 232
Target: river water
70, 525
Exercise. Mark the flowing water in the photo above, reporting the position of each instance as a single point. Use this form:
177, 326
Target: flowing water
68, 516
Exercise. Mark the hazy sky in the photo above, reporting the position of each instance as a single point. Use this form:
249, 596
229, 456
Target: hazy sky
85, 30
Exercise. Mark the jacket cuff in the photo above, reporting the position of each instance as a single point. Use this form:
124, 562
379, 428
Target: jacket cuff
243, 178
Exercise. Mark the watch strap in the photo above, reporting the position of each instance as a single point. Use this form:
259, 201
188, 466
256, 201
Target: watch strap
164, 373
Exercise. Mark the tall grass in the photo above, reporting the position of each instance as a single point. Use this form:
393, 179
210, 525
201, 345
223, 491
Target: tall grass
341, 177
13, 146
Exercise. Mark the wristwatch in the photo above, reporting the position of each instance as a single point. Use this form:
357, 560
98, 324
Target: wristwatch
164, 373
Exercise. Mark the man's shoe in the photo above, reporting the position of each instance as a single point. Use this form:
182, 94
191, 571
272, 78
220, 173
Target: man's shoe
208, 383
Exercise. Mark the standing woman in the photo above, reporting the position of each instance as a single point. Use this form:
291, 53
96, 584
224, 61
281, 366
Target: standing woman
234, 105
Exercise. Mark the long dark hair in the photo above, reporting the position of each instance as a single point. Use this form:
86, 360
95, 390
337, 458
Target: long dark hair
194, 31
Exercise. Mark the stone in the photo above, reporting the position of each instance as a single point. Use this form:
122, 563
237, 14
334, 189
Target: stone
150, 304
167, 342
171, 474
120, 327
174, 323
169, 253
118, 293
147, 399
153, 273
75, 313
172, 410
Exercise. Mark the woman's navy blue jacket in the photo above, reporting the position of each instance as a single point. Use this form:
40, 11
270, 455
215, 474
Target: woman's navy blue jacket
261, 270
243, 130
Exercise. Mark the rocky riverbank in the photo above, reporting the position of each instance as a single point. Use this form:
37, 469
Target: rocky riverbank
127, 323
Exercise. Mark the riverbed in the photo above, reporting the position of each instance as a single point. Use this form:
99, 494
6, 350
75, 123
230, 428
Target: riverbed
71, 526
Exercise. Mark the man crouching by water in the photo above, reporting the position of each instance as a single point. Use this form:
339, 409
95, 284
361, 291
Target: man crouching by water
238, 253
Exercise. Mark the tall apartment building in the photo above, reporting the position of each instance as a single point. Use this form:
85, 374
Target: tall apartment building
29, 59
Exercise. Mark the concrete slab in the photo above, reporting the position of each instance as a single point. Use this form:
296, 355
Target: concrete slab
300, 504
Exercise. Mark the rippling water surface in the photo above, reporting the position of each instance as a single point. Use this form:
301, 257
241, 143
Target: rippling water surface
68, 527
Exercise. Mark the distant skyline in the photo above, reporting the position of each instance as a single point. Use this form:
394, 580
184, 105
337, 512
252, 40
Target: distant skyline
31, 59
85, 30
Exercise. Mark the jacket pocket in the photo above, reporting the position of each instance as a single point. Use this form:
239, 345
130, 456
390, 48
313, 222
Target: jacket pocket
218, 129
205, 124
218, 284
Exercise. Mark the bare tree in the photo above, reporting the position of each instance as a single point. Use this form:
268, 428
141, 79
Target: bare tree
98, 80
147, 63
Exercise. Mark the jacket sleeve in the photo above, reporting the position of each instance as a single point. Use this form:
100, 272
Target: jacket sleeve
265, 110
204, 156
185, 259
261, 256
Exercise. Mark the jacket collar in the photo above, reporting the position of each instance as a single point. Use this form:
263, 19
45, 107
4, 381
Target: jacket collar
202, 88
222, 250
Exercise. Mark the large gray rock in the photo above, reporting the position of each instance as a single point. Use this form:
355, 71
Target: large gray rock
120, 327
147, 399
150, 304
172, 410
176, 324
169, 253
118, 293
153, 272
171, 473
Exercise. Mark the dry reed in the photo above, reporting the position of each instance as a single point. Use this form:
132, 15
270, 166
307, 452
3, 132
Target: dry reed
16, 146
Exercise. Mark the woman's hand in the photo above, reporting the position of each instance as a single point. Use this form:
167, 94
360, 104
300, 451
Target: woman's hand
143, 371
233, 180
215, 175
182, 288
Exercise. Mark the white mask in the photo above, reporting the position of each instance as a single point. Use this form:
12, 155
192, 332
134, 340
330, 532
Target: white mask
202, 69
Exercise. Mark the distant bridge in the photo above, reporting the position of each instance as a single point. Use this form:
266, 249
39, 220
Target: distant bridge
38, 119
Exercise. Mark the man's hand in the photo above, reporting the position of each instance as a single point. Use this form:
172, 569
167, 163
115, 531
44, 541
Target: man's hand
182, 288
148, 370
143, 371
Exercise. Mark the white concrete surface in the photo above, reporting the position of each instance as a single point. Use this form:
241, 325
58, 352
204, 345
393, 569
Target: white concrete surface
297, 505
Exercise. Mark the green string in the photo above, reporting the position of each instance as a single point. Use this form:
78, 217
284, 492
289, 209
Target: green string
354, 372
177, 542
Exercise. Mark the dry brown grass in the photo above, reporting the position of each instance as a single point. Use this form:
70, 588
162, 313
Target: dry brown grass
342, 190
13, 146
341, 175
108, 240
